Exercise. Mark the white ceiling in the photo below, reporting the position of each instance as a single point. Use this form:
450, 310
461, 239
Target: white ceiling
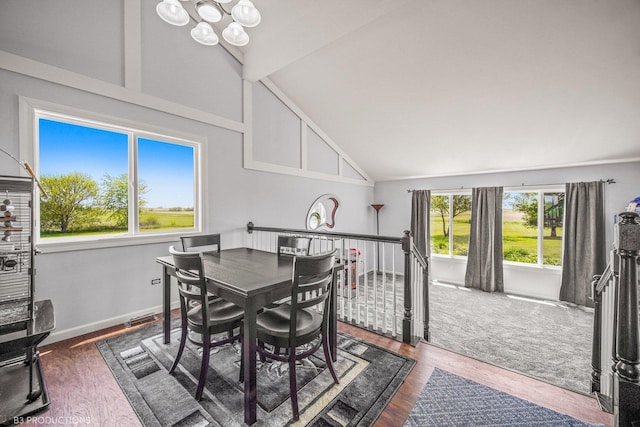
413, 88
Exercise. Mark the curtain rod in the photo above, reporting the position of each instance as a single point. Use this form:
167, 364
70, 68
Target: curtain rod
606, 181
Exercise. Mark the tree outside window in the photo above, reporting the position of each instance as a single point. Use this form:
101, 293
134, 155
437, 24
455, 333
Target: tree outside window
85, 169
450, 224
526, 224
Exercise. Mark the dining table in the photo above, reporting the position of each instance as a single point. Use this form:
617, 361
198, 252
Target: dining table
252, 279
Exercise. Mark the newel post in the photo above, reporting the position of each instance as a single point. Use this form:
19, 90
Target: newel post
407, 321
627, 389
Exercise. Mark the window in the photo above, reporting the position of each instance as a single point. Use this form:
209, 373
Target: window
450, 224
108, 180
532, 227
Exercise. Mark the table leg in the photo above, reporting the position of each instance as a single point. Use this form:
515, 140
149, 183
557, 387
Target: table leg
249, 355
166, 304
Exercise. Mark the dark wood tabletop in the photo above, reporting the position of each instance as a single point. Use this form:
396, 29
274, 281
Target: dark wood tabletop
248, 271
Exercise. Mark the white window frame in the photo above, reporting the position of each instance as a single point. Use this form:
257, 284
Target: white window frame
31, 110
540, 243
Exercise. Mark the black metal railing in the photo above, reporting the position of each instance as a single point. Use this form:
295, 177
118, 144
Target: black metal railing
384, 283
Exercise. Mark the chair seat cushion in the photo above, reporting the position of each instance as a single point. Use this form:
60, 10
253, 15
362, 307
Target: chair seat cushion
221, 312
273, 325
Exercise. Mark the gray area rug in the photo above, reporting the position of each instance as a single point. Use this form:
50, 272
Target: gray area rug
448, 400
369, 377
545, 340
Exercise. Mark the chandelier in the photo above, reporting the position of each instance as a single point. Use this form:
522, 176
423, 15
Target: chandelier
205, 12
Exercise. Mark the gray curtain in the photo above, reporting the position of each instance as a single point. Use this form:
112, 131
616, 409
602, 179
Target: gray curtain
484, 262
420, 220
584, 251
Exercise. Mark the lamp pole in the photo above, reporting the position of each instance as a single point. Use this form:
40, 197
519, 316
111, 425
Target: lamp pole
377, 207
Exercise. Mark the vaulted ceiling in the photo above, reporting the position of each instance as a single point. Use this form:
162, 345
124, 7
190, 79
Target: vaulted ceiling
413, 88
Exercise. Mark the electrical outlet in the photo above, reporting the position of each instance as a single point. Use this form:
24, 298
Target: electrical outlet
155, 281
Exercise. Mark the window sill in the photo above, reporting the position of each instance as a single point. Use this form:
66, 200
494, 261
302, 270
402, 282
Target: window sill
517, 265
47, 247
451, 257
508, 264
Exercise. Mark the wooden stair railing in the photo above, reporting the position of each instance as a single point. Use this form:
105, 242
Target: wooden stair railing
615, 377
384, 285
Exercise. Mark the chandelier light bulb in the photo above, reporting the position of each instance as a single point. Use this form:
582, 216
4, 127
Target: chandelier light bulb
203, 34
172, 12
209, 12
235, 34
223, 1
246, 14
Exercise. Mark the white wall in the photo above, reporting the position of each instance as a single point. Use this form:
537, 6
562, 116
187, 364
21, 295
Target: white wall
94, 288
518, 279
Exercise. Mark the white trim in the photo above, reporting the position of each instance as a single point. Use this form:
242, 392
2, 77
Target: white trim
540, 236
287, 170
306, 120
103, 324
532, 168
133, 45
109, 241
81, 116
202, 196
304, 146
547, 188
46, 72
247, 117
133, 214
42, 71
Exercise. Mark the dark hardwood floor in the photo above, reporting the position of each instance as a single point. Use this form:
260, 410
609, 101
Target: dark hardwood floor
81, 385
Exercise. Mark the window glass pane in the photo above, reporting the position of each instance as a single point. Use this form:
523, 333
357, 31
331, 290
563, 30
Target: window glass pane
461, 224
520, 227
553, 222
440, 225
78, 166
166, 185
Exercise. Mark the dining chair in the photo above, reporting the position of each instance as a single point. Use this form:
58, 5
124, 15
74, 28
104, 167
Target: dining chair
302, 321
202, 241
207, 318
293, 245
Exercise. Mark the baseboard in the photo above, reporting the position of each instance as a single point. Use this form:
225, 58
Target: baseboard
102, 324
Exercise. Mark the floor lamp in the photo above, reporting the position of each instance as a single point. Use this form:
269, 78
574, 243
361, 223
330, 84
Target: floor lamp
377, 207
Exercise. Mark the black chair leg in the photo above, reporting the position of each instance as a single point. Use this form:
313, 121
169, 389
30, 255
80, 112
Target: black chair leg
293, 386
260, 354
204, 368
241, 356
327, 358
183, 340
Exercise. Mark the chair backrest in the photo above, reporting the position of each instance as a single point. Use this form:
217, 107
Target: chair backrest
190, 275
312, 282
293, 245
201, 243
